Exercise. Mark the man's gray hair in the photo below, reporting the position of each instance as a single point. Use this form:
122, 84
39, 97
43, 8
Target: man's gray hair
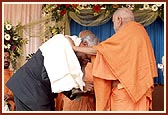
91, 39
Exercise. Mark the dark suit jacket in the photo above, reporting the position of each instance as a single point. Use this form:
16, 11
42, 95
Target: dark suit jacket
31, 85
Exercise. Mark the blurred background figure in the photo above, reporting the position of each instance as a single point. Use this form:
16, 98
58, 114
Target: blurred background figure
8, 95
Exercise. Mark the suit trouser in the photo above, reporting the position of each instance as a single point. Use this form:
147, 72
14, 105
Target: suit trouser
20, 106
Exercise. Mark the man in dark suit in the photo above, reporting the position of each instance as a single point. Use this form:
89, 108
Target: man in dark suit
32, 87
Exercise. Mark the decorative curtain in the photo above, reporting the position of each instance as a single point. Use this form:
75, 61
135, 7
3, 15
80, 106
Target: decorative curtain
86, 17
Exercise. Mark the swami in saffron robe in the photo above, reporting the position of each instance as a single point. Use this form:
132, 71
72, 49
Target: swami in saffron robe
126, 56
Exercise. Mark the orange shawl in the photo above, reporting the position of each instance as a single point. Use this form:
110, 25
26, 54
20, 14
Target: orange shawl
130, 58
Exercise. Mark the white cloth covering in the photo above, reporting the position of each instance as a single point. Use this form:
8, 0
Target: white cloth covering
61, 64
76, 40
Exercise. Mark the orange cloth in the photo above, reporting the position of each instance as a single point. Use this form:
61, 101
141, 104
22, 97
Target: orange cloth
7, 75
84, 103
129, 56
114, 99
59, 102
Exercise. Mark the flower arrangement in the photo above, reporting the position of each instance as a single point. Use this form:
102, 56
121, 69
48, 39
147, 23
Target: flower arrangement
55, 29
13, 42
57, 11
153, 7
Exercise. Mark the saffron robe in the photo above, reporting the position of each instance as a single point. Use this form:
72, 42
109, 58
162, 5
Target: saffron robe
129, 57
7, 75
84, 103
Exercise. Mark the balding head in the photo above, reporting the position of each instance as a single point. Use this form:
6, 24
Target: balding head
125, 13
121, 17
88, 38
84, 33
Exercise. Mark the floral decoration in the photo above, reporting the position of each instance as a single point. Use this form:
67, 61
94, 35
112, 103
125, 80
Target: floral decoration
13, 42
55, 29
57, 11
